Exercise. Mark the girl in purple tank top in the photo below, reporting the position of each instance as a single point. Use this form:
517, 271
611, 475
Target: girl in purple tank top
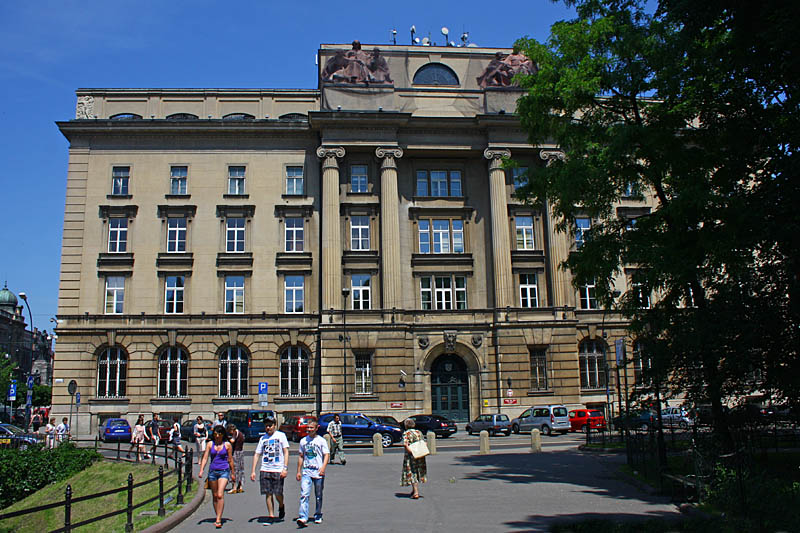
219, 454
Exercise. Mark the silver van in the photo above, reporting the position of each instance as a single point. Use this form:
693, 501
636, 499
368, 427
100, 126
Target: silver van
546, 418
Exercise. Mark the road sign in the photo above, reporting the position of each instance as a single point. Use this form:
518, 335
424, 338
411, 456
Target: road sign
72, 388
12, 391
619, 348
510, 401
263, 388
509, 393
486, 403
29, 398
78, 398
396, 405
30, 382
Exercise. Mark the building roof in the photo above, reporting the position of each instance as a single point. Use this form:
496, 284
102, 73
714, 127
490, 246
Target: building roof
7, 298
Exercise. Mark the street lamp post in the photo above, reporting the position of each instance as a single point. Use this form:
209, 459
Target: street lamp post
343, 338
30, 357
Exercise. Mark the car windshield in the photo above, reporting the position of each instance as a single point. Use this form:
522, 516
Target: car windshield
117, 423
388, 420
595, 413
502, 417
14, 429
260, 416
440, 418
560, 411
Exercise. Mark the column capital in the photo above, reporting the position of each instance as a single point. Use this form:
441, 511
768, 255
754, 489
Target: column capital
392, 151
552, 155
324, 152
497, 153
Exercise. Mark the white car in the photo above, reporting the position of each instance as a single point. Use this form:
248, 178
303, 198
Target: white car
676, 417
545, 418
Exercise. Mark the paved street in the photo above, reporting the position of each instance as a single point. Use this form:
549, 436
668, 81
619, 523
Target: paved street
509, 490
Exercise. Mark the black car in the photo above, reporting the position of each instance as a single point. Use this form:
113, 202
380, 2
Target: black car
440, 425
386, 420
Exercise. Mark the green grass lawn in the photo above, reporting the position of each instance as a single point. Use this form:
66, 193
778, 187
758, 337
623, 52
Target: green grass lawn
101, 476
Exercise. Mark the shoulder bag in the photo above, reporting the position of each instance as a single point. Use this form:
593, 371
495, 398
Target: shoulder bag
419, 449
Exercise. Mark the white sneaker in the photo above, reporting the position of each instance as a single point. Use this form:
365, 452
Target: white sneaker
318, 520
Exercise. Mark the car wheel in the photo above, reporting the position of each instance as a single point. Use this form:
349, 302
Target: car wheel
386, 440
23, 446
469, 430
585, 428
508, 433
515, 429
546, 430
645, 427
683, 424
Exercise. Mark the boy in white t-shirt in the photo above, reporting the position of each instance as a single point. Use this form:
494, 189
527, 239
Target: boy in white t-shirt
311, 464
62, 430
273, 452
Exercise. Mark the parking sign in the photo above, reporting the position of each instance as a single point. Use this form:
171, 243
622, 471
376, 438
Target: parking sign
263, 387
12, 391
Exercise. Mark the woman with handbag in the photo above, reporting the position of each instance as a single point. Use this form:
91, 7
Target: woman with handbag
220, 471
415, 470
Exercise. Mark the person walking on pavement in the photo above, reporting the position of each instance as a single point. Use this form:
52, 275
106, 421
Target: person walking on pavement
200, 436
152, 432
273, 452
236, 438
415, 471
337, 439
175, 435
62, 431
50, 432
220, 469
311, 465
220, 421
138, 436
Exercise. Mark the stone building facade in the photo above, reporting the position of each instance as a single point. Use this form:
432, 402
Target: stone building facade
356, 246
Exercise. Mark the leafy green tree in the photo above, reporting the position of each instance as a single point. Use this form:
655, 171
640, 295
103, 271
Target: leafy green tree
695, 103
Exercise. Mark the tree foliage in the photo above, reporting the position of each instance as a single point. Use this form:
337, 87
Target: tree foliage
695, 103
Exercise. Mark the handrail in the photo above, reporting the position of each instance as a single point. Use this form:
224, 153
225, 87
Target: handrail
67, 503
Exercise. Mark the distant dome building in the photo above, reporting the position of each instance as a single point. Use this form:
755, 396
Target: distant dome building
8, 300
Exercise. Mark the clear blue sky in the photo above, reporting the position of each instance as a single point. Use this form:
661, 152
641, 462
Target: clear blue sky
50, 48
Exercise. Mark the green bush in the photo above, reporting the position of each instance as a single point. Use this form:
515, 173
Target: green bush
23, 472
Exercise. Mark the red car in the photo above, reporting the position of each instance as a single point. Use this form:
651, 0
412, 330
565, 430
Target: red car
586, 419
296, 427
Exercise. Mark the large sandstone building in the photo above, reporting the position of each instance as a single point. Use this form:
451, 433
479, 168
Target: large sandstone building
356, 246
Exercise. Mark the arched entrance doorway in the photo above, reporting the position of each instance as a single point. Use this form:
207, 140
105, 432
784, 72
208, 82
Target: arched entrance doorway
450, 387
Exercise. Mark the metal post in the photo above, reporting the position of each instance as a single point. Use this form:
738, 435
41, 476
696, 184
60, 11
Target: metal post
161, 510
345, 294
166, 456
95, 442
68, 509
129, 523
179, 465
188, 465
30, 357
118, 445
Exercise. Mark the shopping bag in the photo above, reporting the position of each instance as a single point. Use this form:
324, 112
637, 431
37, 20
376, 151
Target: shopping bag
419, 449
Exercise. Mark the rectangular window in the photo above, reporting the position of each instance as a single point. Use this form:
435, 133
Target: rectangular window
294, 234
439, 292
293, 294
458, 236
524, 232
447, 236
642, 295
538, 369
588, 298
119, 181
236, 180
593, 371
117, 235
115, 295
294, 181
177, 180
439, 183
360, 291
234, 294
234, 235
520, 175
359, 233
173, 294
641, 366
363, 374
358, 178
582, 227
176, 235
441, 236
424, 237
528, 291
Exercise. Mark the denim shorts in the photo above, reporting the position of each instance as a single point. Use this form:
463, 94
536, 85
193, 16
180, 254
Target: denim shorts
214, 475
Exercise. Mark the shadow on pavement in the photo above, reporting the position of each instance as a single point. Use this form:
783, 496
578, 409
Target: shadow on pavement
538, 523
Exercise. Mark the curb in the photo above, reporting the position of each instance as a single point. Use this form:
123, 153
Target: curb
180, 515
583, 448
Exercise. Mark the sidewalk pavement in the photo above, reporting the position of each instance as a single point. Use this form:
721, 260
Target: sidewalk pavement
508, 490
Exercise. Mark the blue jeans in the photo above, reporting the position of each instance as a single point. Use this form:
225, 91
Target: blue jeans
305, 492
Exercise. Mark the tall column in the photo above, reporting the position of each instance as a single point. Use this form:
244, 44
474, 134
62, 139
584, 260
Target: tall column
501, 246
560, 244
390, 228
331, 230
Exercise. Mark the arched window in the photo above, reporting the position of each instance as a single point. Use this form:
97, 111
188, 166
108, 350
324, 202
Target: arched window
435, 74
126, 116
592, 365
182, 116
294, 372
173, 373
238, 116
112, 373
233, 371
294, 116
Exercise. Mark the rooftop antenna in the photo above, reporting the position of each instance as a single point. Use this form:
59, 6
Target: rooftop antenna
394, 36
445, 32
413, 32
464, 38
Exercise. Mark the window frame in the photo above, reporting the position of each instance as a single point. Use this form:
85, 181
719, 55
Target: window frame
449, 240
363, 179
226, 364
174, 234
363, 384
121, 183
118, 236
591, 364
117, 294
525, 288
443, 292
360, 295
173, 369
291, 232
588, 297
233, 291
240, 181
453, 183
582, 231
294, 290
119, 371
235, 236
539, 369
178, 299
181, 180
294, 372
294, 179
360, 229
526, 231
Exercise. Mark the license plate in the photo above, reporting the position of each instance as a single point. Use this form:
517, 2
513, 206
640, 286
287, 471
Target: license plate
5, 441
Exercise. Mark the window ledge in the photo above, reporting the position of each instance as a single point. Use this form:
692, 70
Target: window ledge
119, 196
536, 392
594, 391
527, 255
292, 399
293, 259
177, 259
239, 259
232, 399
243, 196
183, 400
111, 259
298, 196
441, 259
364, 397
109, 401
177, 196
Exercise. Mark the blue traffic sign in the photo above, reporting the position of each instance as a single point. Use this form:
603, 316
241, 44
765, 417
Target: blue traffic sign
78, 398
30, 382
263, 386
12, 391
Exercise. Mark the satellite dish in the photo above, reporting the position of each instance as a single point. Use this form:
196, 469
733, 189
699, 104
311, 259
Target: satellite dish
416, 40
445, 31
426, 41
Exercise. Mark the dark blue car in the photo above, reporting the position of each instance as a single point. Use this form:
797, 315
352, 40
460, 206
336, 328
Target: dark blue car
13, 437
115, 429
358, 426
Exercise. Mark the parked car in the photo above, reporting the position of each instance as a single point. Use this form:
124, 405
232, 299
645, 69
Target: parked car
187, 428
676, 417
545, 418
494, 424
440, 425
164, 427
644, 420
586, 420
358, 426
115, 429
12, 436
387, 420
296, 427
250, 421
